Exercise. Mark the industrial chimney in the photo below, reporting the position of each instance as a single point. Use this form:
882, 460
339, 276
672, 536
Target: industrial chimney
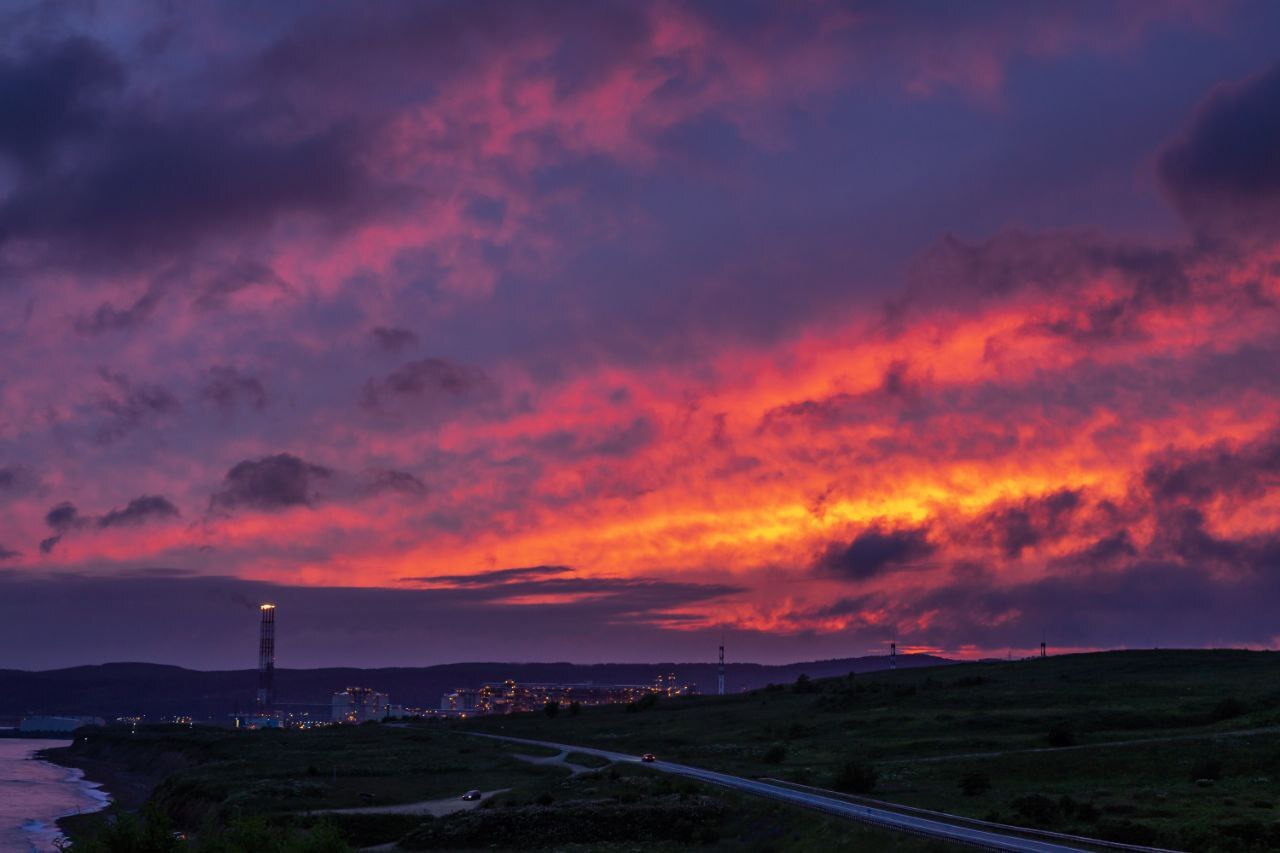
893, 655
267, 657
720, 676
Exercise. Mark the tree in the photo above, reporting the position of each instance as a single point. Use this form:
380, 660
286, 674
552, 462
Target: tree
551, 709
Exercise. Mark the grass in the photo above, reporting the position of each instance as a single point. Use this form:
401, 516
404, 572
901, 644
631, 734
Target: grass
911, 727
219, 778
586, 759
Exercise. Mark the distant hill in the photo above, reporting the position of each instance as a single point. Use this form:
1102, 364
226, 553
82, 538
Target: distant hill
117, 689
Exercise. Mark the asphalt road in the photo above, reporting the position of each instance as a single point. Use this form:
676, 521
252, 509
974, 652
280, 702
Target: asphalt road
867, 814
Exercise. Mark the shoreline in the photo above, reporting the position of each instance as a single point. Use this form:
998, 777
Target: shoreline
124, 790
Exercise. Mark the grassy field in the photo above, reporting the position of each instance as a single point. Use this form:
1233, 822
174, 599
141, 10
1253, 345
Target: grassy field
1036, 743
275, 781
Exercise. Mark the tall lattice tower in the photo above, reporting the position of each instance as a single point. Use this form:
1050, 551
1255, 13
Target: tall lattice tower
267, 656
893, 655
720, 673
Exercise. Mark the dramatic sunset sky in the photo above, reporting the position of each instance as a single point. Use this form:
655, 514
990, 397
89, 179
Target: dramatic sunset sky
598, 330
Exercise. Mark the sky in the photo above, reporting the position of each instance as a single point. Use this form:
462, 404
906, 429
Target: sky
601, 331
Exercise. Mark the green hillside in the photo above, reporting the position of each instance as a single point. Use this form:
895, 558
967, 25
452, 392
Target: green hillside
1044, 743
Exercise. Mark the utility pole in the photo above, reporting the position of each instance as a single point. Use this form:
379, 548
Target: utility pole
893, 655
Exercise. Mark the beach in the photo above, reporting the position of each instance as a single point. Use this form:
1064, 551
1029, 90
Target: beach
35, 793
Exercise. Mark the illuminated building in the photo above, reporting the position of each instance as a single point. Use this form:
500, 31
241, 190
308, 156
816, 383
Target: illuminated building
509, 697
360, 705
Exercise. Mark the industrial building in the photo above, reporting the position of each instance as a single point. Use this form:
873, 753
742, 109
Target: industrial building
362, 705
508, 697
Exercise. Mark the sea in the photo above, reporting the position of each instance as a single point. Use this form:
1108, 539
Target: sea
34, 794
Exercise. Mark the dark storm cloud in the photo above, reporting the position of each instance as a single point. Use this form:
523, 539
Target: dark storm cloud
131, 405
401, 482
393, 339
160, 188
496, 577
1056, 263
269, 483
876, 550
243, 275
1223, 174
423, 384
66, 517
143, 181
140, 510
8, 553
620, 440
1149, 603
211, 621
61, 518
51, 94
1198, 476
108, 318
16, 480
228, 389
1016, 527
1106, 551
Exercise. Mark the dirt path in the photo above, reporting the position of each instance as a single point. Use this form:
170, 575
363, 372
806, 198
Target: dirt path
435, 808
560, 758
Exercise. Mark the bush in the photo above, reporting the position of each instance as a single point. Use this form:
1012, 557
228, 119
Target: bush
804, 685
1036, 809
575, 708
973, 784
551, 709
856, 778
774, 754
149, 832
1061, 735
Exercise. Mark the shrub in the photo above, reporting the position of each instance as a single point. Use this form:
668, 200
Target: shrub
1037, 809
973, 784
1061, 735
856, 778
551, 709
774, 754
575, 708
804, 685
149, 832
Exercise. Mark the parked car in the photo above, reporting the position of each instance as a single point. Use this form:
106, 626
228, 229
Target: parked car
472, 795
648, 758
